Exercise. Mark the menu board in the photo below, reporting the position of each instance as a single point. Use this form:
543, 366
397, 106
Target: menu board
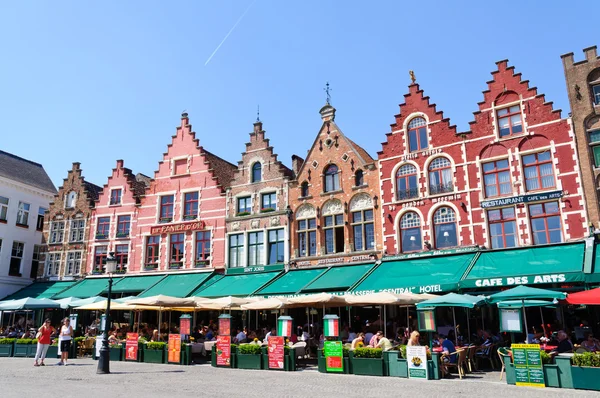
426, 320
529, 370
174, 348
276, 352
131, 347
334, 356
99, 341
510, 320
225, 326
223, 350
417, 362
184, 326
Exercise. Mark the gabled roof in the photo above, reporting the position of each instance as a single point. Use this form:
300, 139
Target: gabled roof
92, 190
25, 171
221, 168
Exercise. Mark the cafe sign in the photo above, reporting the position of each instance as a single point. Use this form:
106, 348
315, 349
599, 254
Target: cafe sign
182, 227
515, 200
430, 253
521, 280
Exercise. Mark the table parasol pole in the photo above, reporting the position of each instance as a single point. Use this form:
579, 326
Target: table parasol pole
543, 324
384, 321
454, 319
525, 318
407, 321
469, 325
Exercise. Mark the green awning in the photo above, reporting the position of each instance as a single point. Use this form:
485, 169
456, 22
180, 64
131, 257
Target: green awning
594, 277
40, 290
291, 282
56, 288
86, 288
179, 285
235, 285
135, 284
339, 278
429, 274
527, 266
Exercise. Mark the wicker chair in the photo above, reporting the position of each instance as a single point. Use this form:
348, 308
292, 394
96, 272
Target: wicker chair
461, 362
502, 352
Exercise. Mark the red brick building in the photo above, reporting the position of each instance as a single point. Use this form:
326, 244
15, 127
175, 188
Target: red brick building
335, 200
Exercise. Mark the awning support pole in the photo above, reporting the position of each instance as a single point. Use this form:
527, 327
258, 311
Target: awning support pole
525, 318
455, 332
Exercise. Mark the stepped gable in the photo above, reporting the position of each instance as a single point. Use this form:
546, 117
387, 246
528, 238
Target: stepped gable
136, 186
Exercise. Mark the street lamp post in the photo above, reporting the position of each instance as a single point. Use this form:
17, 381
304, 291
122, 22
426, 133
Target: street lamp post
104, 358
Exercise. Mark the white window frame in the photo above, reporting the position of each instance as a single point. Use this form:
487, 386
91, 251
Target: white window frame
79, 230
61, 232
22, 214
70, 199
52, 263
71, 261
4, 207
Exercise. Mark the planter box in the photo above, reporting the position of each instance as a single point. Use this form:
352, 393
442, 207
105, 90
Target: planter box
249, 361
186, 355
213, 358
116, 353
322, 363
6, 350
586, 378
52, 352
368, 366
552, 375
154, 356
25, 350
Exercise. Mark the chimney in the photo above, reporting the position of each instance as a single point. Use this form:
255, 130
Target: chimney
297, 162
567, 60
120, 164
590, 53
76, 166
184, 119
327, 113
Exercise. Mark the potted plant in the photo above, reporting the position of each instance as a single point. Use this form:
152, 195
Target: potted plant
154, 352
585, 371
116, 352
249, 356
367, 361
25, 348
7, 347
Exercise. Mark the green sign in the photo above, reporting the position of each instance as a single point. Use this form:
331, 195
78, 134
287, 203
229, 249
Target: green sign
334, 356
426, 320
529, 370
254, 270
531, 279
430, 253
515, 200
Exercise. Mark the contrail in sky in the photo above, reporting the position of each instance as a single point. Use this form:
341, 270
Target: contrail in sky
234, 26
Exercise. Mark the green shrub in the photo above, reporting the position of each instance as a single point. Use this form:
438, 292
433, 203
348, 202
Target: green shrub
25, 341
249, 349
587, 359
345, 351
156, 345
546, 358
116, 345
402, 349
142, 340
368, 352
7, 341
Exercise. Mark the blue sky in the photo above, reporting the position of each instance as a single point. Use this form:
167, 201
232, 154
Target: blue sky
98, 81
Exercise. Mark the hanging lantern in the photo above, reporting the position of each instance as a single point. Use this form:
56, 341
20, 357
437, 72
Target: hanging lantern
331, 325
284, 326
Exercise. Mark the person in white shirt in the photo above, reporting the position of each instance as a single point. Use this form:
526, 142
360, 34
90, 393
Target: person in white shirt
240, 337
273, 332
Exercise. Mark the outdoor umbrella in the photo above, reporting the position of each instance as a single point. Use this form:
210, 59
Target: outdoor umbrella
28, 304
325, 299
588, 297
225, 303
273, 303
88, 300
163, 301
67, 302
382, 298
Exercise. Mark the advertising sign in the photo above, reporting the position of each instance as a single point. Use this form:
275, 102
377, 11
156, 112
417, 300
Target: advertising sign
99, 341
73, 320
417, 362
131, 347
334, 356
225, 326
426, 320
184, 325
276, 352
488, 204
528, 365
224, 350
510, 320
174, 348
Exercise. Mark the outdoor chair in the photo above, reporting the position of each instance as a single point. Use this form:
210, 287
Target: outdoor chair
487, 356
471, 360
502, 352
85, 346
461, 362
300, 349
581, 350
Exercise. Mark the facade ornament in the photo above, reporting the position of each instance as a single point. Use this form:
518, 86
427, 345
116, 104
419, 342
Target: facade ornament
254, 224
360, 202
306, 211
333, 206
235, 226
275, 221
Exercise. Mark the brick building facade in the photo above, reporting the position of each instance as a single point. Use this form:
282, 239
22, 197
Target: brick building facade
67, 227
583, 87
335, 201
257, 207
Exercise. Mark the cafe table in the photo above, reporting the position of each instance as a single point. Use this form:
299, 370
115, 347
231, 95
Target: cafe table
547, 347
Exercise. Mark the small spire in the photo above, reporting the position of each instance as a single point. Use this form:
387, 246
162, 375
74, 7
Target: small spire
327, 91
184, 114
412, 76
258, 113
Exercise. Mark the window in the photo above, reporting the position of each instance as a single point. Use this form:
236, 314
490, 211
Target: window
444, 223
545, 223
256, 172
307, 237
202, 249
596, 94
410, 232
152, 246
236, 250
37, 257
176, 251
190, 206
53, 264
103, 228
40, 219
364, 232
304, 192
406, 182
123, 226
496, 177
359, 178
276, 246
334, 234
594, 140
115, 196
538, 171
268, 202
57, 231
70, 200
509, 121
256, 248
122, 257
73, 263
502, 225
15, 259
100, 255
23, 214
77, 230
417, 134
166, 208
440, 176
244, 206
3, 208
332, 178
180, 167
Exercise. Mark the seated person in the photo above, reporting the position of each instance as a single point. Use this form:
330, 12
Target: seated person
359, 339
590, 343
197, 334
384, 343
240, 337
448, 350
375, 339
113, 338
564, 344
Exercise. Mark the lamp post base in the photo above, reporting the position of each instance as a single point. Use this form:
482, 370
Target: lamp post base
104, 361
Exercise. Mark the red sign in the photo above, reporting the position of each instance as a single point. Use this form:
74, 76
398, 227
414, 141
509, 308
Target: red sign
276, 352
334, 362
131, 347
225, 326
223, 350
174, 348
184, 326
188, 226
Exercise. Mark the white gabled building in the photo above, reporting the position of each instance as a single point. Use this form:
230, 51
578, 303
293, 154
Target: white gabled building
25, 194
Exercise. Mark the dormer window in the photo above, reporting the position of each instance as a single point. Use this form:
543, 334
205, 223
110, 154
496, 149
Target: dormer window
417, 134
510, 121
71, 199
332, 178
115, 196
256, 172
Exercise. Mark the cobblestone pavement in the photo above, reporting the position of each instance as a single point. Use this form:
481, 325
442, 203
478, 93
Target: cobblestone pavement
18, 378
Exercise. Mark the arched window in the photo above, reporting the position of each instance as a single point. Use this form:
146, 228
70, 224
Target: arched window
332, 178
304, 189
444, 224
440, 176
256, 172
406, 182
71, 199
417, 134
410, 232
358, 178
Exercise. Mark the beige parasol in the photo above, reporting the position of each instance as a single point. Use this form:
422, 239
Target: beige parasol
272, 303
164, 302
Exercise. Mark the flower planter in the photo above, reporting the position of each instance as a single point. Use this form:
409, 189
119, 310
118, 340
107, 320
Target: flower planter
395, 366
367, 366
585, 378
116, 353
6, 350
154, 356
249, 361
552, 375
